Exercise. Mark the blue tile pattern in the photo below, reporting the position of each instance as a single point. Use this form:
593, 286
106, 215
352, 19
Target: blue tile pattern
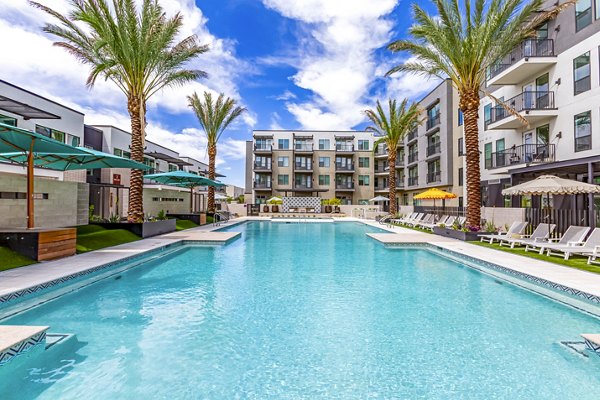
595, 347
22, 347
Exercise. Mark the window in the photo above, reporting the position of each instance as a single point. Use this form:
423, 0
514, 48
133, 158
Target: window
73, 140
484, 196
283, 161
542, 135
500, 145
324, 180
461, 147
583, 14
283, 179
363, 162
433, 116
323, 161
172, 167
581, 73
461, 177
324, 144
283, 144
51, 133
461, 117
461, 202
363, 145
488, 155
363, 180
118, 152
487, 113
8, 120
583, 131
262, 144
433, 171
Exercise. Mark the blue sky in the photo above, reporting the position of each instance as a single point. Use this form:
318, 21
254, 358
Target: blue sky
294, 64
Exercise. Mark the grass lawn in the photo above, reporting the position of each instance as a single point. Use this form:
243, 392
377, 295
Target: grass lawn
94, 237
11, 259
183, 224
573, 262
414, 228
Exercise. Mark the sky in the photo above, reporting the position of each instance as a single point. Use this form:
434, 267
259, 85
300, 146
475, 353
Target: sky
294, 64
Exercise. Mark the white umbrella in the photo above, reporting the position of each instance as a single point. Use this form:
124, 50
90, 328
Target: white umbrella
378, 198
219, 196
551, 185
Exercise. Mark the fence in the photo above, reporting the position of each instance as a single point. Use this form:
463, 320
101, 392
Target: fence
440, 210
561, 218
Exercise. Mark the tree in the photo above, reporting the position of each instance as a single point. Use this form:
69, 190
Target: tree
461, 43
214, 117
137, 51
391, 130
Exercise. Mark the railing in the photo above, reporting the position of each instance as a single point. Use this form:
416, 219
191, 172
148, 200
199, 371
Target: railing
303, 167
526, 101
413, 157
381, 187
344, 147
528, 48
413, 180
432, 122
400, 161
303, 186
263, 147
525, 153
412, 135
344, 185
381, 151
303, 146
562, 218
262, 185
262, 166
434, 149
344, 167
434, 177
440, 210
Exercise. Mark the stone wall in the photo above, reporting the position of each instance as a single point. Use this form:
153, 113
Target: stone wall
502, 216
172, 201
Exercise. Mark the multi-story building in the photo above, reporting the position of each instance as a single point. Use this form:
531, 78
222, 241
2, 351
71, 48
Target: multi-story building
57, 193
552, 81
326, 164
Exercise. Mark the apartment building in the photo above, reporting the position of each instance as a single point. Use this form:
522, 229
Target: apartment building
553, 81
323, 164
57, 193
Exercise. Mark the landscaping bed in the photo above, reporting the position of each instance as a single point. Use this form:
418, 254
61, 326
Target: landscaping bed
94, 237
144, 229
11, 259
467, 236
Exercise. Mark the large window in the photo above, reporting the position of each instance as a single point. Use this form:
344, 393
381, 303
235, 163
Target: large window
461, 117
583, 14
363, 145
487, 113
488, 155
324, 180
461, 146
8, 120
581, 73
363, 162
324, 144
283, 179
323, 161
283, 161
283, 144
583, 131
363, 180
52, 133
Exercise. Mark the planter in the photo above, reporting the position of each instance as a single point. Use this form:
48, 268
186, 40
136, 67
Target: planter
266, 209
143, 229
275, 209
328, 209
197, 218
460, 235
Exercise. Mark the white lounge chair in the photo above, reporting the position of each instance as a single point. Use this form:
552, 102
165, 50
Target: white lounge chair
517, 228
590, 248
407, 218
431, 225
425, 220
574, 235
540, 234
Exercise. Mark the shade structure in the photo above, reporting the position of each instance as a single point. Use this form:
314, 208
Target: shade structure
434, 194
378, 198
27, 143
219, 196
551, 185
184, 179
89, 159
274, 199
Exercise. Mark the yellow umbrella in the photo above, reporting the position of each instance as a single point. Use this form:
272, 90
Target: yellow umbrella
434, 194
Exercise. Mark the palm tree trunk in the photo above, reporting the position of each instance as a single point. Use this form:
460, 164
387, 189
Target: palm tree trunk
212, 155
469, 104
392, 180
136, 107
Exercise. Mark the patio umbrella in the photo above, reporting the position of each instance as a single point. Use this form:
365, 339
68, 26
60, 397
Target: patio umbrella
378, 198
27, 143
274, 199
219, 196
551, 185
435, 194
184, 179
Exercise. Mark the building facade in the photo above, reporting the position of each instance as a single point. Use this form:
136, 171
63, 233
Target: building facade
553, 82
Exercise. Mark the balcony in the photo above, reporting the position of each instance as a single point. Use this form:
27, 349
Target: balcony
344, 186
262, 185
413, 180
523, 154
400, 161
433, 122
433, 149
344, 168
413, 157
263, 148
262, 166
303, 187
412, 135
303, 147
535, 107
434, 177
299, 167
344, 147
381, 188
526, 61
381, 152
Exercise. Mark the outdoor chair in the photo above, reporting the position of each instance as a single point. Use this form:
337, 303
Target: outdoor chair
573, 235
405, 218
425, 220
431, 225
517, 228
589, 247
417, 217
540, 234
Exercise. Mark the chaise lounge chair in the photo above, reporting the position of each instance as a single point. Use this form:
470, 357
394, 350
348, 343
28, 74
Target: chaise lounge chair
590, 248
540, 234
517, 228
427, 219
430, 225
573, 235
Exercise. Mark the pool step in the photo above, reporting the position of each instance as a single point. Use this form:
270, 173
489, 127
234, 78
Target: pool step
16, 340
592, 341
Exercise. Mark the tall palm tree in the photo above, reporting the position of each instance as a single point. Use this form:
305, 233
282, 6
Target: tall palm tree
137, 51
461, 43
214, 117
391, 129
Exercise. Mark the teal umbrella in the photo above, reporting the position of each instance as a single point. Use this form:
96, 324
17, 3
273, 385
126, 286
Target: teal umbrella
184, 179
13, 139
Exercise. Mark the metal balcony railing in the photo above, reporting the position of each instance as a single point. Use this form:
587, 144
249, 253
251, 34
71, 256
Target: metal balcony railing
528, 48
412, 135
303, 167
433, 122
413, 157
381, 151
523, 154
344, 185
303, 186
303, 146
413, 180
400, 161
344, 147
434, 148
262, 185
263, 147
434, 177
262, 166
344, 167
526, 101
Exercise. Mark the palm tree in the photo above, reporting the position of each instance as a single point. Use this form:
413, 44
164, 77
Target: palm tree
137, 51
214, 117
461, 43
391, 130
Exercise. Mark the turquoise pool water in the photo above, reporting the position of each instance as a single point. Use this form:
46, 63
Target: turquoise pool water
306, 311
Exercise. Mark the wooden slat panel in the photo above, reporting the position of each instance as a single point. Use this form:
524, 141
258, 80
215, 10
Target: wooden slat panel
57, 246
56, 235
51, 256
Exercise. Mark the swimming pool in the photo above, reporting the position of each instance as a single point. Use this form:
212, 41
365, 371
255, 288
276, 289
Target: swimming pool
306, 311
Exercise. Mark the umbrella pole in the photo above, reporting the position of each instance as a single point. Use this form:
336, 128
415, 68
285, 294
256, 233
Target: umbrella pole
191, 199
30, 210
